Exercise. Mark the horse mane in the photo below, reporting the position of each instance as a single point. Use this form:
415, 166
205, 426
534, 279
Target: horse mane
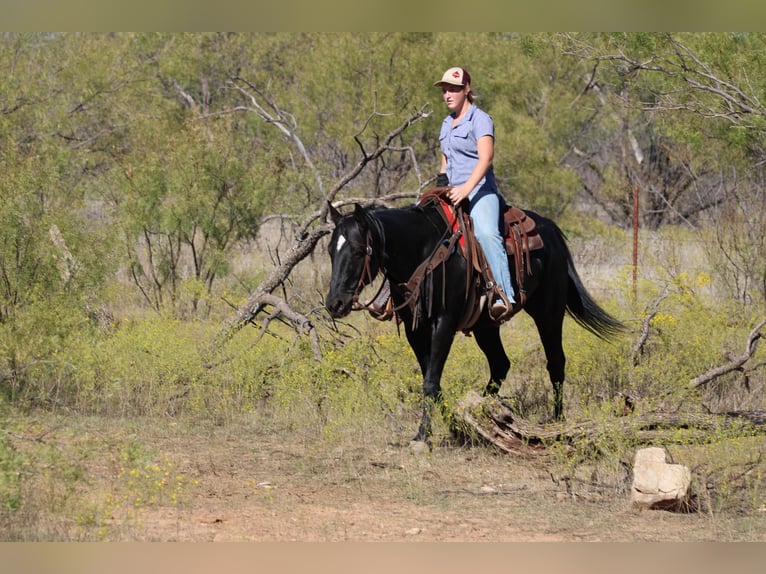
373, 223
424, 209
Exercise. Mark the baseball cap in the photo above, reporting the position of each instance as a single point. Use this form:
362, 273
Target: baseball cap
455, 77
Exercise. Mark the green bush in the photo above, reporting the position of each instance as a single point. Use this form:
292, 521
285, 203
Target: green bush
38, 350
357, 388
11, 467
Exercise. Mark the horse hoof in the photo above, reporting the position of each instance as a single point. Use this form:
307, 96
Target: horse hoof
492, 389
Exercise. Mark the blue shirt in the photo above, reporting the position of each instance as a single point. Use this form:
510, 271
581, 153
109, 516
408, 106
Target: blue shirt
460, 147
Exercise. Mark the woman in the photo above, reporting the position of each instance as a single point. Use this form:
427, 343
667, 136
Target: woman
467, 140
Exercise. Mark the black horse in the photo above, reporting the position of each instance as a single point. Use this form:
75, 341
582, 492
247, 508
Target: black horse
396, 242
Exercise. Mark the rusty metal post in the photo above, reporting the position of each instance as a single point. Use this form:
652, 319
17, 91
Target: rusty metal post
635, 241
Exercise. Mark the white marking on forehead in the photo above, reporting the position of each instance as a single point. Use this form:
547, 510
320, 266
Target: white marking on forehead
341, 242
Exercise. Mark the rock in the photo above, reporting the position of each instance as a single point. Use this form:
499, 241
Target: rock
657, 484
419, 447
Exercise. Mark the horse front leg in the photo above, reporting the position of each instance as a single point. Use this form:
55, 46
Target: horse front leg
558, 400
425, 429
432, 355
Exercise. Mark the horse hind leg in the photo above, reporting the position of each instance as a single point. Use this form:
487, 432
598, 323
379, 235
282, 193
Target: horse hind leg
550, 329
493, 387
556, 374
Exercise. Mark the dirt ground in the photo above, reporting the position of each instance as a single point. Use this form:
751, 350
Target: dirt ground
246, 485
164, 481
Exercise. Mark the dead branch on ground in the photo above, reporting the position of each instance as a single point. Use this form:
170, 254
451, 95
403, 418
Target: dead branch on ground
737, 363
493, 420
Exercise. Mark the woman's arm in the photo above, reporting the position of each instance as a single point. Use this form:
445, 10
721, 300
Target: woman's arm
486, 148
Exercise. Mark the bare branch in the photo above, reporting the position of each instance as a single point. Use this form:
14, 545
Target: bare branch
301, 323
185, 96
301, 248
495, 421
283, 120
734, 364
638, 349
708, 81
375, 154
685, 66
315, 226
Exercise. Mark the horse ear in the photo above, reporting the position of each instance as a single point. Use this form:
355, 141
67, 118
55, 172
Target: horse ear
359, 213
334, 213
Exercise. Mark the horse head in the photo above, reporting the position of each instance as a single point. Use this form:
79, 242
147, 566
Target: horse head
354, 264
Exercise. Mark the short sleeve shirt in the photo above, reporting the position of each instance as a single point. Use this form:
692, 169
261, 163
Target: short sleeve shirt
460, 147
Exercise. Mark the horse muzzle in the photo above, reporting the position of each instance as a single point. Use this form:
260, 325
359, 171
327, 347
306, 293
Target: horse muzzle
339, 305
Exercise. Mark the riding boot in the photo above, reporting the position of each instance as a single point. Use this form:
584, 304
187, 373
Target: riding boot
502, 308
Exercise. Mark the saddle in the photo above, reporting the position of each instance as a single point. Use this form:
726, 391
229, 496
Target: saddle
520, 237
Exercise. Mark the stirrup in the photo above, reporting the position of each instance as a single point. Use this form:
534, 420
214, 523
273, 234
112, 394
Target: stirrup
498, 310
501, 309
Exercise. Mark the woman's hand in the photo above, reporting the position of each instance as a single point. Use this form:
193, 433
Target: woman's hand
459, 193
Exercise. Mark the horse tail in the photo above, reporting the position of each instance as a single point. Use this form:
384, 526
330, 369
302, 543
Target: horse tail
583, 308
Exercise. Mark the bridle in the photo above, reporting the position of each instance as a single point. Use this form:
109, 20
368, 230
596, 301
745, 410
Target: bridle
411, 289
366, 278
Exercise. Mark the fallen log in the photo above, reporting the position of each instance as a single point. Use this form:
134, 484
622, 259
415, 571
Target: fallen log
493, 419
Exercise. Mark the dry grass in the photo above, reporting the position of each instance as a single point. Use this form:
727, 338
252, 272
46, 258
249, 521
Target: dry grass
257, 480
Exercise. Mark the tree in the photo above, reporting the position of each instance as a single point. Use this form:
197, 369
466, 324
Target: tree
48, 157
694, 131
312, 229
673, 112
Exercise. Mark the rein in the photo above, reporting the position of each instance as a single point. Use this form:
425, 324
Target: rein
411, 289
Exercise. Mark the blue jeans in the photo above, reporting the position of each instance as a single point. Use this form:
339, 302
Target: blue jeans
485, 214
